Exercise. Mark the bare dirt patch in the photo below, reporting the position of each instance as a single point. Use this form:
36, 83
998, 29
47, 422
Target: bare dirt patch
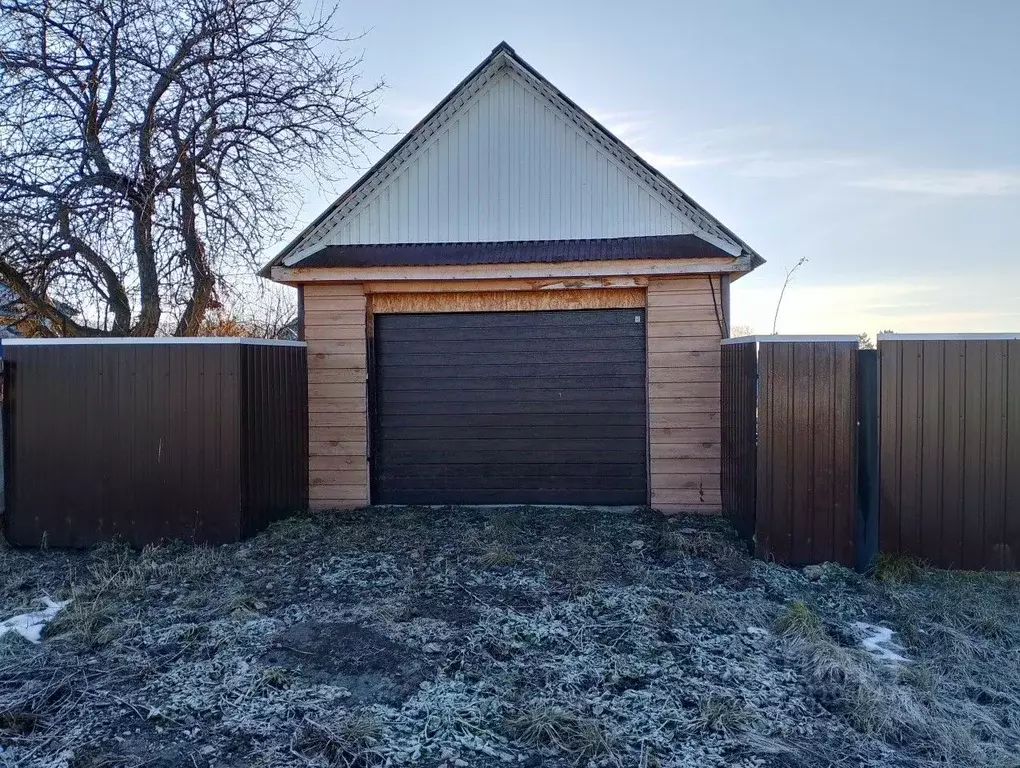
452, 637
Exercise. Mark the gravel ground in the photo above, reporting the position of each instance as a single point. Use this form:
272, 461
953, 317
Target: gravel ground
502, 637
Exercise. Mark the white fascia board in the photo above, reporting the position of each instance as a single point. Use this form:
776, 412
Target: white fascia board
150, 340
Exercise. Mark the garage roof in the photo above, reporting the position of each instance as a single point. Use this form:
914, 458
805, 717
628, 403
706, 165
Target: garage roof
505, 157
519, 252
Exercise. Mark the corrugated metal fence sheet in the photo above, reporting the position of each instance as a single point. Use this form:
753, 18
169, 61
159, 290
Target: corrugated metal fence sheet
739, 425
950, 451
152, 440
789, 478
807, 463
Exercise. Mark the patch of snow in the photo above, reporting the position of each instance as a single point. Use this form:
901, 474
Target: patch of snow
31, 625
878, 641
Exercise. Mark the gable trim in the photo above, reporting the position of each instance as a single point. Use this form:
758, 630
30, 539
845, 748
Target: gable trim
709, 228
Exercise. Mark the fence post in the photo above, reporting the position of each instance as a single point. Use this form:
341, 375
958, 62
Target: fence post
866, 516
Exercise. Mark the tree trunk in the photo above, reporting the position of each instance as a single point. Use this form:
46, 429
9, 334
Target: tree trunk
203, 281
148, 279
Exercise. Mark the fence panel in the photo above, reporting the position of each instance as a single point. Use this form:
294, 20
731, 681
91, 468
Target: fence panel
950, 450
739, 434
807, 451
144, 440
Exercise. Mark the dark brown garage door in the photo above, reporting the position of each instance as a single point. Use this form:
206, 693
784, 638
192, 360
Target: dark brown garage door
510, 407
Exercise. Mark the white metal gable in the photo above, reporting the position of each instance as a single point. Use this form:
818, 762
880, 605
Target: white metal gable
509, 158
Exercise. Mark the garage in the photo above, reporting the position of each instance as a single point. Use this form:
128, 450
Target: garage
513, 307
538, 407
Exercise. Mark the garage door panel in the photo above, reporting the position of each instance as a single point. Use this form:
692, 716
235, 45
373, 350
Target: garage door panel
476, 333
502, 433
482, 481
428, 495
531, 413
518, 452
525, 343
479, 357
393, 398
475, 383
525, 370
525, 468
616, 320
525, 407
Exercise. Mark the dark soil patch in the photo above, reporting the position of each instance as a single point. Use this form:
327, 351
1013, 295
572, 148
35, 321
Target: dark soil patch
365, 662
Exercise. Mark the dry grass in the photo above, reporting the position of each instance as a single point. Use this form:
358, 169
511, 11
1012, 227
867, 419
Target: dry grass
956, 701
349, 742
723, 714
590, 650
497, 558
581, 738
897, 569
799, 621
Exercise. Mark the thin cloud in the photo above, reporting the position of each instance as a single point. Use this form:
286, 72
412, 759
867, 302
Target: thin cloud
667, 160
965, 183
768, 166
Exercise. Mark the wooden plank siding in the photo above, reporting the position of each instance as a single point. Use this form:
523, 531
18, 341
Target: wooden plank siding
684, 317
334, 329
684, 321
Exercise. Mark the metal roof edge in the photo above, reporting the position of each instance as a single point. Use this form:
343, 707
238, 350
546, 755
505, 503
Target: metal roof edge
764, 339
153, 340
949, 336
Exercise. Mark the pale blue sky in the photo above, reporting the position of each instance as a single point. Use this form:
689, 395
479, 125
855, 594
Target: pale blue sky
879, 139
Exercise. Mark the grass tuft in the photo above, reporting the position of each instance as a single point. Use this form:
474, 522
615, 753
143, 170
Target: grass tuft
799, 621
349, 742
892, 568
497, 558
722, 714
583, 738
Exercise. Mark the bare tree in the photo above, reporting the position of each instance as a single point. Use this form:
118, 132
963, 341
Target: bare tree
266, 312
149, 150
789, 276
741, 330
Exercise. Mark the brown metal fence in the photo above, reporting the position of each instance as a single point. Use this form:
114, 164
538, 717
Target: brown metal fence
739, 419
204, 440
807, 464
801, 503
950, 450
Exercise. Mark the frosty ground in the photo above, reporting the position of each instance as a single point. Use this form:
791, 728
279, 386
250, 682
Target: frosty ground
466, 637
